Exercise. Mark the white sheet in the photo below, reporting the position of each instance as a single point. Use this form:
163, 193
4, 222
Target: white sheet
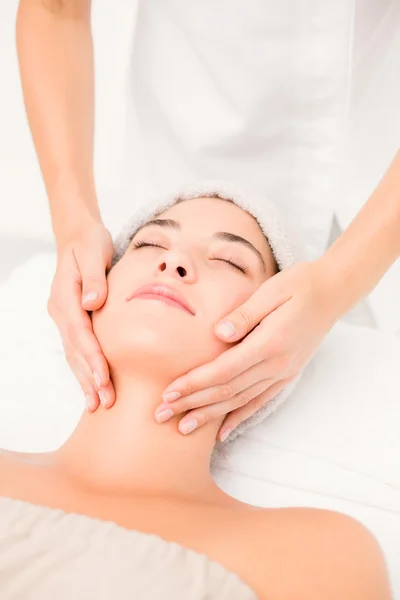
334, 444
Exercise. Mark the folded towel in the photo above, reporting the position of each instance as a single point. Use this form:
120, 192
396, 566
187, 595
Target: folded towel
48, 553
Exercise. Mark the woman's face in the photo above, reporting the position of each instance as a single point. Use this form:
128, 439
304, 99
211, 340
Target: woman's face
198, 260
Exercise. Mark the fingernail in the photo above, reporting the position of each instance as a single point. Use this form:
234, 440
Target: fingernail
188, 427
88, 401
225, 434
96, 377
103, 397
171, 396
226, 329
89, 297
164, 415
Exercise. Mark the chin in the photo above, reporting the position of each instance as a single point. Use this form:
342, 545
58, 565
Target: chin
156, 338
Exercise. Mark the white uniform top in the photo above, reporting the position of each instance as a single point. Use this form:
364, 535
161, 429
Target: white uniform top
253, 91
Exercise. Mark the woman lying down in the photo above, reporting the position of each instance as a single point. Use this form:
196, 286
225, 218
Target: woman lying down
127, 508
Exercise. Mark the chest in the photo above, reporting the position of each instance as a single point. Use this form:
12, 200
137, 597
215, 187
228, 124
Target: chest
215, 531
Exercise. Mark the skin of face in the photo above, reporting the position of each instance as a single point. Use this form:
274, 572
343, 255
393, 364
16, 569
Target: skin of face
190, 257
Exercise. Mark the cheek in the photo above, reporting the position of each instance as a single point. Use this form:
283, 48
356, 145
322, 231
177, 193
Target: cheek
228, 297
109, 320
225, 297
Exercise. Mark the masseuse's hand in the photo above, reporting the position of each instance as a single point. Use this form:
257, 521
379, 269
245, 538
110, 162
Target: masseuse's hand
285, 319
79, 286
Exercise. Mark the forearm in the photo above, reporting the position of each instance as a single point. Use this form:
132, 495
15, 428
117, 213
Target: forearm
55, 53
371, 243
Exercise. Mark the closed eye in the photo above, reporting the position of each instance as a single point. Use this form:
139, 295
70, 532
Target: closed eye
143, 244
230, 262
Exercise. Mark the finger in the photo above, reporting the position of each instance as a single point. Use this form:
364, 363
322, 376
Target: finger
225, 367
82, 373
77, 333
243, 319
107, 395
71, 319
242, 413
200, 416
89, 347
219, 393
64, 304
104, 395
92, 401
92, 268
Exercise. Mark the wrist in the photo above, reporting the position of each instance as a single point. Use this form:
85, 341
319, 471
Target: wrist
337, 288
74, 206
71, 219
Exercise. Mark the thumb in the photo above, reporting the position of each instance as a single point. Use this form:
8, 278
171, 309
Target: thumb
94, 282
248, 315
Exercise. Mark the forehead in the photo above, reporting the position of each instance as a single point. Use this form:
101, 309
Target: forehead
207, 215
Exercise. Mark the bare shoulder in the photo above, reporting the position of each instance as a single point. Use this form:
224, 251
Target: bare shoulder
309, 554
18, 472
12, 454
10, 457
11, 467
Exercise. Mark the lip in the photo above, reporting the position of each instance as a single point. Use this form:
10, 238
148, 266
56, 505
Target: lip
160, 291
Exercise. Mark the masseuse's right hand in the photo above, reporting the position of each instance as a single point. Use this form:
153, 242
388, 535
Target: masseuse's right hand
79, 286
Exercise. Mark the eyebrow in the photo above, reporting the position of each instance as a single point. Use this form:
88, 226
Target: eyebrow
224, 236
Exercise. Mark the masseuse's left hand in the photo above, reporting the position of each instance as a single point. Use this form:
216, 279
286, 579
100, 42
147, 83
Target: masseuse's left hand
284, 321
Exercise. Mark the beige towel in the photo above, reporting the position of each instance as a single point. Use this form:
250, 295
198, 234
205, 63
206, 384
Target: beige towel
48, 554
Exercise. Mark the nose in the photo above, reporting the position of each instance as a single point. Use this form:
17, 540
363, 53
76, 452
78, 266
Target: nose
178, 264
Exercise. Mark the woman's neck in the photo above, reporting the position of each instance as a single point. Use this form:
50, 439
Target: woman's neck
123, 450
